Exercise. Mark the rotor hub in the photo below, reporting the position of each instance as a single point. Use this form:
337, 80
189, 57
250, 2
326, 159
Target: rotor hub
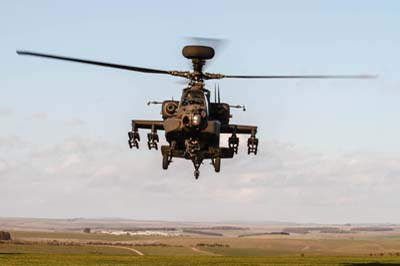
198, 54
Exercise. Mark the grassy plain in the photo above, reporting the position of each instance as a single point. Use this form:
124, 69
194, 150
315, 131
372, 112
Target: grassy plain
74, 248
77, 236
108, 260
38, 248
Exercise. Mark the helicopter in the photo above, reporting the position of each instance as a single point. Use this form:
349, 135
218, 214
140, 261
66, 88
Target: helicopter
193, 125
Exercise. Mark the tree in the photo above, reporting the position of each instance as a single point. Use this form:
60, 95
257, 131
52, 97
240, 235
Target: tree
5, 235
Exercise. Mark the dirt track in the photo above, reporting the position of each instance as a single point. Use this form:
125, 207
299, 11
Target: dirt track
205, 252
131, 249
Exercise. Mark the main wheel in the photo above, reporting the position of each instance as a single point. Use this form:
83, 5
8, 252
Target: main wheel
217, 164
165, 161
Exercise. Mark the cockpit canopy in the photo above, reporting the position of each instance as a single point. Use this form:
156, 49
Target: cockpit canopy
193, 97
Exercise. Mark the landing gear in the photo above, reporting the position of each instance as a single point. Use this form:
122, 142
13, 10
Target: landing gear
166, 152
217, 164
196, 174
165, 161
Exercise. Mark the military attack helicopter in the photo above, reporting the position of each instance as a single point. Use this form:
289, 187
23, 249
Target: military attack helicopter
193, 125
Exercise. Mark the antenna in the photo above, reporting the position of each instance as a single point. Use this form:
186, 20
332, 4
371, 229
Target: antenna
219, 96
215, 93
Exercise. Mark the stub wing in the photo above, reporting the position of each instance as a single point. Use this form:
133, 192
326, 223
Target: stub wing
239, 129
147, 124
152, 137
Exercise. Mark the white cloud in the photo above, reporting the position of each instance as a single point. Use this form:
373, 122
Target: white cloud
86, 177
12, 143
40, 116
6, 111
74, 121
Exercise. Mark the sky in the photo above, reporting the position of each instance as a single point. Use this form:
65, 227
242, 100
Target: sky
329, 149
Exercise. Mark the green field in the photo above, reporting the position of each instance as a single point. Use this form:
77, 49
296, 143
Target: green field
52, 249
68, 248
108, 260
77, 236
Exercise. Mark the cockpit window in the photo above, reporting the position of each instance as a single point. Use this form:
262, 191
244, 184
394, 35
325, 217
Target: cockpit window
193, 97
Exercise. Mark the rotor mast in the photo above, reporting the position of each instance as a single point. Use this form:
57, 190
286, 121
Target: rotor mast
198, 69
198, 54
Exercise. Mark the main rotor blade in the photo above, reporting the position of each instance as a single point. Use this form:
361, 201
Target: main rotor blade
303, 77
125, 67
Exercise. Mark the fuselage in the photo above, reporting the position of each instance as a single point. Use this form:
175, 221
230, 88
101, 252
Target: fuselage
192, 120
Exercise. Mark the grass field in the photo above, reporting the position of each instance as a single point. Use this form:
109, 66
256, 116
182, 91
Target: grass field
52, 249
275, 246
77, 236
108, 260
69, 248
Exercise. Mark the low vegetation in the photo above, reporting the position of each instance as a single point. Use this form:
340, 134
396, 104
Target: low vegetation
125, 260
372, 229
219, 228
306, 230
212, 245
5, 235
68, 248
200, 232
264, 234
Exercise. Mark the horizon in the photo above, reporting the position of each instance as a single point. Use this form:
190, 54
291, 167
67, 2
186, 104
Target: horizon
249, 222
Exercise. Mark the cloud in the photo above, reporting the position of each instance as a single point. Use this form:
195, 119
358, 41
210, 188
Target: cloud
6, 111
12, 143
40, 116
74, 122
93, 178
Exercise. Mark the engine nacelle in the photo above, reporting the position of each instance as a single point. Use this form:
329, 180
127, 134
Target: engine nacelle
221, 112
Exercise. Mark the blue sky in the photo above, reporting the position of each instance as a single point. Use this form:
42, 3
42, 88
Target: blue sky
63, 111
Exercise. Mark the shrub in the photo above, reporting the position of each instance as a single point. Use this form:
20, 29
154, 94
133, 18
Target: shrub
5, 235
